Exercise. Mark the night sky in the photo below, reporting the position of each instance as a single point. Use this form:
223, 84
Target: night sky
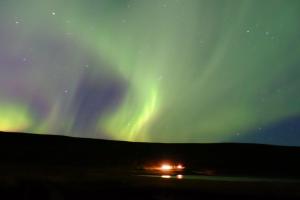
152, 70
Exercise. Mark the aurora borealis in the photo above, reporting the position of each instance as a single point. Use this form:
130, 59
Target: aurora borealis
152, 70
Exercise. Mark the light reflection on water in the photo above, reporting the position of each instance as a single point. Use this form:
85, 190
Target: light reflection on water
178, 176
165, 176
223, 178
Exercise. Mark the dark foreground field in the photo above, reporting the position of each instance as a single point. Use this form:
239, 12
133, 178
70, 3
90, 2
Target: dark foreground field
56, 167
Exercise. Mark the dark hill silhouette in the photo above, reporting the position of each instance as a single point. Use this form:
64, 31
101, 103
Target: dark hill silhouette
58, 167
19, 149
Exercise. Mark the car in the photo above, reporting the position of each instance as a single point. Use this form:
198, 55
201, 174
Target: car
166, 170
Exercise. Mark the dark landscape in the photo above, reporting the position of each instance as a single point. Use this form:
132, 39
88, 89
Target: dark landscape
71, 168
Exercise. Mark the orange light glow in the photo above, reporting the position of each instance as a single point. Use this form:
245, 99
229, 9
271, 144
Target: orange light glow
179, 166
166, 167
179, 176
165, 176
